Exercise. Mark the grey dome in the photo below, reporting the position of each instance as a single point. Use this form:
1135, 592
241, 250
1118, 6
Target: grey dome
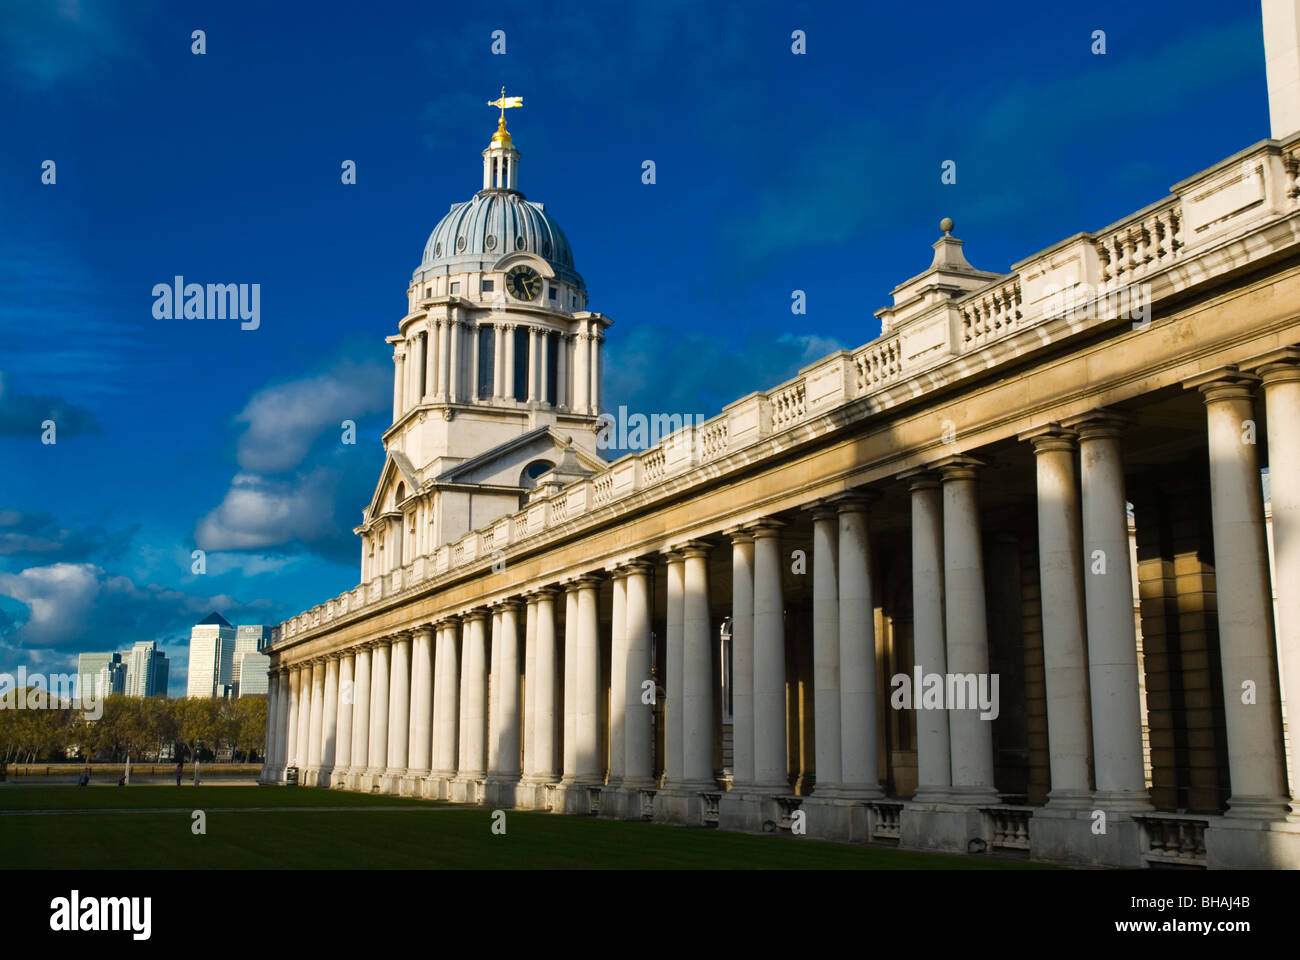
475, 234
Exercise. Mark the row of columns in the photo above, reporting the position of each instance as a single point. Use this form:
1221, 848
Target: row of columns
436, 352
431, 714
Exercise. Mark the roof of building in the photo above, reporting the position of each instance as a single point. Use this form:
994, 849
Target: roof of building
216, 618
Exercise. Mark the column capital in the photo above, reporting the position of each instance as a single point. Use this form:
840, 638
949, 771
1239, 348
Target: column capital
765, 528
958, 467
1281, 358
738, 535
1049, 438
539, 593
510, 603
921, 478
639, 565
1212, 383
1098, 424
694, 548
589, 581
852, 501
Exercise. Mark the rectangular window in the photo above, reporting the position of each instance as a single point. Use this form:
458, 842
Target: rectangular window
455, 286
550, 293
486, 361
428, 291
489, 286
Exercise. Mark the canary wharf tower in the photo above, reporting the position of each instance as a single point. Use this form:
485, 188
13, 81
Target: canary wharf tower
497, 371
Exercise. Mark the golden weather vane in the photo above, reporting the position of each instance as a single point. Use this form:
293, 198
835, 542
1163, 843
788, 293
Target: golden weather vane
505, 103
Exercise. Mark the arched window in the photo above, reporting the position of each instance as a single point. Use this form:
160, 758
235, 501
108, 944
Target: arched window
528, 479
400, 495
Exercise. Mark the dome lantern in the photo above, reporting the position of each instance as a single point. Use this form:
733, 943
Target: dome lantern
501, 159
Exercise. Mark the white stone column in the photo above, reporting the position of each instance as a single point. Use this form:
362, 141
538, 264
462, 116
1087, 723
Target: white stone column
494, 689
447, 702
933, 757
570, 760
532, 364
431, 361
379, 710
826, 652
1247, 648
280, 680
544, 366
507, 703
1282, 403
859, 710
581, 373
618, 690
770, 770
454, 389
562, 372
966, 628
1119, 776
596, 367
544, 690
473, 698
361, 713
304, 719
272, 718
638, 768
417, 763
317, 714
399, 705
1060, 576
444, 359
343, 726
498, 362
589, 768
398, 361
742, 657
291, 723
509, 391
697, 669
530, 685
674, 694
330, 716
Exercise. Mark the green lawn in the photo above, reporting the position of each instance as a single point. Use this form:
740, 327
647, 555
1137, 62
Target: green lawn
367, 836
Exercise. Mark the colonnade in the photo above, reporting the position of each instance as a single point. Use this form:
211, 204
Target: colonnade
506, 698
440, 364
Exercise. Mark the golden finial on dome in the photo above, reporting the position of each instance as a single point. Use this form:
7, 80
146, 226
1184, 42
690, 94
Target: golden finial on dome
502, 136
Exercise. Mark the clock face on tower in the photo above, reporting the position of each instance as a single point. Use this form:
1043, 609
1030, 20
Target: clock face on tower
524, 283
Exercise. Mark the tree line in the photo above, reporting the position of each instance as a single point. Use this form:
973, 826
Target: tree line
137, 727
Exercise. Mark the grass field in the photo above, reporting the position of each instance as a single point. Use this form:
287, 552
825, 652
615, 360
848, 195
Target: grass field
140, 827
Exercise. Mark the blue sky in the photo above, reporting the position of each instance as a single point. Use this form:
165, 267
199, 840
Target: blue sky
775, 172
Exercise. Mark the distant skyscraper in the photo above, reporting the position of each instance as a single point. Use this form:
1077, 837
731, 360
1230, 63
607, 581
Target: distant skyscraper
248, 671
146, 665
103, 669
212, 654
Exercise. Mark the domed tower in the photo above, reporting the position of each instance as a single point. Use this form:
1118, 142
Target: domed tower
497, 370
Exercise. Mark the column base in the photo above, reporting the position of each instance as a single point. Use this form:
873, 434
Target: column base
1122, 801
325, 777
412, 783
342, 779
577, 798
467, 788
437, 785
500, 792
1258, 808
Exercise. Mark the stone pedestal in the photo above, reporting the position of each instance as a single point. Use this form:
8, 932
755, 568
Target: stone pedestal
1059, 834
1234, 843
947, 827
